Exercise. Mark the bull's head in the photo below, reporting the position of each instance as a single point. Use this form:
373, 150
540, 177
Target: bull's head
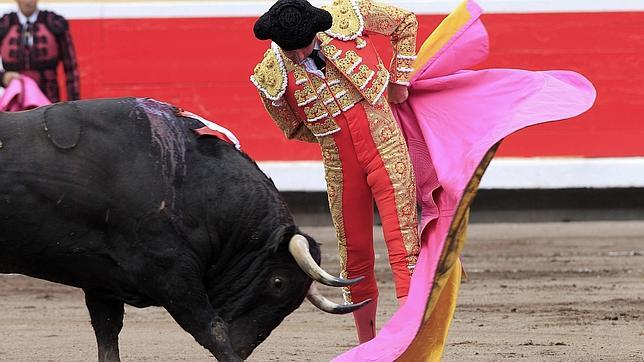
269, 284
284, 283
261, 265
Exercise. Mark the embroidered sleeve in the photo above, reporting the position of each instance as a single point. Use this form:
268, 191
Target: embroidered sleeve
286, 120
72, 78
5, 25
401, 26
59, 26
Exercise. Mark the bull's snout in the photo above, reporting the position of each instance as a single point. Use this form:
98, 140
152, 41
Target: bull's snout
243, 353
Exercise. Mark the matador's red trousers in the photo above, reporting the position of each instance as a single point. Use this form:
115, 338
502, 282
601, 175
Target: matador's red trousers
366, 160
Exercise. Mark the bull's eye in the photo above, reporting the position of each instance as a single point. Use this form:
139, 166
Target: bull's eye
277, 285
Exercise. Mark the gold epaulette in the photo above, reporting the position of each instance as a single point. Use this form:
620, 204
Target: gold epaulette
269, 75
348, 22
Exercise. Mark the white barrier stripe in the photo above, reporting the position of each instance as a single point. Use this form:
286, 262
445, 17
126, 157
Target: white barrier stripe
209, 8
503, 173
558, 173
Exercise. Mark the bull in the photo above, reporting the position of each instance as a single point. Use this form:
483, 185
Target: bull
122, 198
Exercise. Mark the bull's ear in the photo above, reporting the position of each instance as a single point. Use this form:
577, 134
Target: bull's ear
279, 237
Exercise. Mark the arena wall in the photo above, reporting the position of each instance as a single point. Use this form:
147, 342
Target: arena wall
199, 55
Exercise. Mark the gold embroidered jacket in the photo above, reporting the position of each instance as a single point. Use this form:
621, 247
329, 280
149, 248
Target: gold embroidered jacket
302, 104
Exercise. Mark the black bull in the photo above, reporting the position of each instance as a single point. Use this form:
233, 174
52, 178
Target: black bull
121, 198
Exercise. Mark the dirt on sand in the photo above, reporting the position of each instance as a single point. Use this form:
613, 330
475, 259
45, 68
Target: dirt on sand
537, 291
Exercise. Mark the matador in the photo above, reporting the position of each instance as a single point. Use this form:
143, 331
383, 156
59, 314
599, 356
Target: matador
323, 81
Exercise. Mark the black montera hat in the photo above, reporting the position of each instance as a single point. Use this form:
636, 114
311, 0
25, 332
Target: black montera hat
292, 24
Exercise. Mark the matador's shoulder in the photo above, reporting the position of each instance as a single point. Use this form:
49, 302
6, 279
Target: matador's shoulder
56, 23
5, 23
270, 75
348, 22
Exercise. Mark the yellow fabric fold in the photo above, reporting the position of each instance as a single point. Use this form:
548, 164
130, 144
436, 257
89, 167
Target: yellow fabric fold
442, 34
430, 341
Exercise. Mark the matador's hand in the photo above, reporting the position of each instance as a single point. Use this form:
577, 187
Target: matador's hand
397, 93
8, 77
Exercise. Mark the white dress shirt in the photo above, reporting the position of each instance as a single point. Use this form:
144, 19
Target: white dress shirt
23, 21
309, 63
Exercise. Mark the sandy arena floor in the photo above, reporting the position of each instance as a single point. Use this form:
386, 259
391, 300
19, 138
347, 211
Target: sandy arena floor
536, 292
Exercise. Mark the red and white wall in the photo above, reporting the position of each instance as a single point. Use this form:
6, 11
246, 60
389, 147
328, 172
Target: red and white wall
199, 55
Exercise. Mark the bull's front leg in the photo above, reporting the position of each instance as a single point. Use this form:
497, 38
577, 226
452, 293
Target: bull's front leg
172, 275
107, 319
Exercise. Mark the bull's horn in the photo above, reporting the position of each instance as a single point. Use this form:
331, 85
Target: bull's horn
299, 248
328, 306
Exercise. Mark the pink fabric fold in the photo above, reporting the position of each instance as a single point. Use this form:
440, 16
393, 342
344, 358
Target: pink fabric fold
450, 121
22, 94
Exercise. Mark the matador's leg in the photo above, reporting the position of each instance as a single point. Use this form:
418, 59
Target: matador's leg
392, 182
351, 206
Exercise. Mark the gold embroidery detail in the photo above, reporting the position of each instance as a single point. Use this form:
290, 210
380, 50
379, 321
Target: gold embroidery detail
347, 20
318, 83
333, 176
343, 91
405, 62
348, 100
378, 85
305, 95
315, 112
350, 61
288, 64
287, 121
332, 106
318, 113
386, 133
404, 67
333, 75
382, 18
333, 109
360, 43
324, 39
362, 77
269, 76
331, 52
300, 75
400, 168
401, 25
328, 99
324, 127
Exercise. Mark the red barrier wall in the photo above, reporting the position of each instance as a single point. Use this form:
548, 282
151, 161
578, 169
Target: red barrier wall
204, 65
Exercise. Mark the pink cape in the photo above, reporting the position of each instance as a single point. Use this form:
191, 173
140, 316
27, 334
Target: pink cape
452, 118
22, 94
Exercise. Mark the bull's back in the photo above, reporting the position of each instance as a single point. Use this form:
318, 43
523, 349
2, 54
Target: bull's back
72, 173
52, 140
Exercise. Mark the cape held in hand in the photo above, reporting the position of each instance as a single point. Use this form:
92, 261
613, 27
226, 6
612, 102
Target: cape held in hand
453, 121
